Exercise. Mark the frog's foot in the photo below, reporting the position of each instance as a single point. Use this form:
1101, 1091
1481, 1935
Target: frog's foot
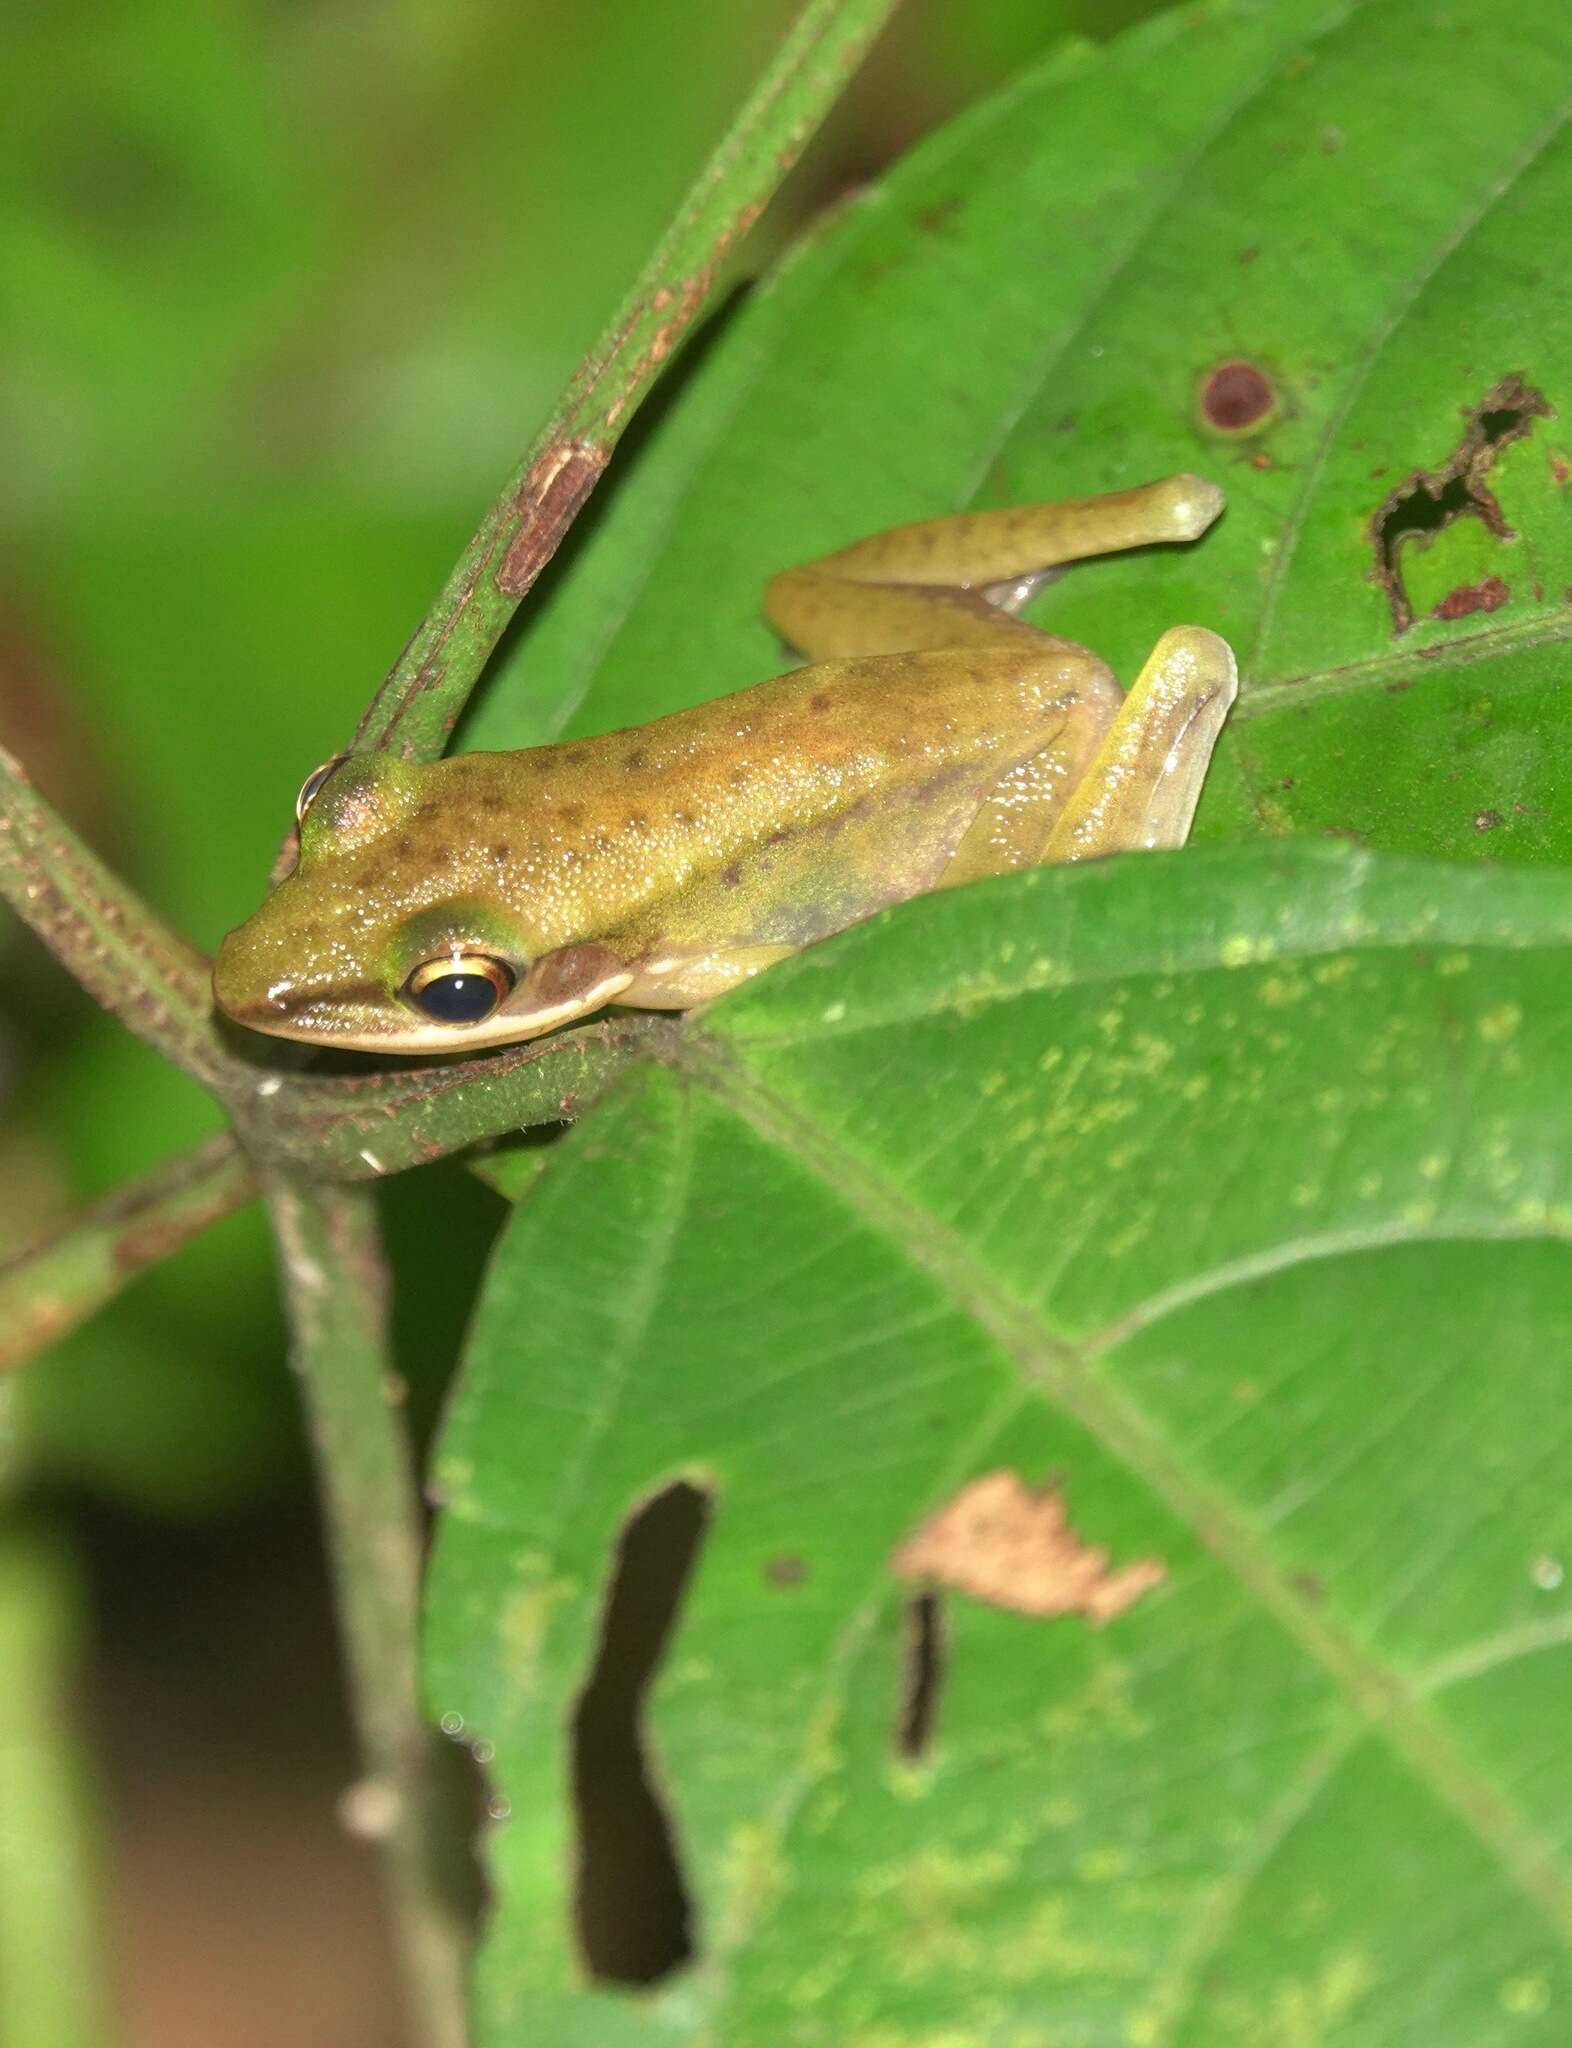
1144, 782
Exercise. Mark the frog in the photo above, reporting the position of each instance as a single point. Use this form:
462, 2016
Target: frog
932, 738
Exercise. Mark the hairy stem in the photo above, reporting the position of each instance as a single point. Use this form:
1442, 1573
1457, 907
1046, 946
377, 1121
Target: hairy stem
335, 1294
419, 703
50, 1287
102, 932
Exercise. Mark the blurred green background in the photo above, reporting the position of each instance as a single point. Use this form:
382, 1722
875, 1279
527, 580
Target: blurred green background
286, 287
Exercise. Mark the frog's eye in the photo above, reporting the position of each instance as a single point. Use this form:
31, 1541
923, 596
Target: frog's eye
463, 988
311, 785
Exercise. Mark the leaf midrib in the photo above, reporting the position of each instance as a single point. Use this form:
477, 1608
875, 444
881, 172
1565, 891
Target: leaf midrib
1387, 1704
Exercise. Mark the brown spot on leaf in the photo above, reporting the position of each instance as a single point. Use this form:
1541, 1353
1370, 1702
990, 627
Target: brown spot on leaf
1486, 821
785, 1571
1004, 1543
1487, 596
1427, 501
1236, 396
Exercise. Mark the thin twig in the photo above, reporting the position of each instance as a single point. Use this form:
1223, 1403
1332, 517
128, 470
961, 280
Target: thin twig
417, 706
363, 1126
50, 1287
335, 1293
101, 931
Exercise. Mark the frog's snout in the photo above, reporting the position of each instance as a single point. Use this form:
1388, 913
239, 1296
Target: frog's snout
239, 990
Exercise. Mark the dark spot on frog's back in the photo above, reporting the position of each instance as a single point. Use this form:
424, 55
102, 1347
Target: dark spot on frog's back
635, 760
572, 814
819, 701
491, 801
732, 875
502, 851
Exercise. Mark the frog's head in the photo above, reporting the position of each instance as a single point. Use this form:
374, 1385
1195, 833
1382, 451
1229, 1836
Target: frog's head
388, 937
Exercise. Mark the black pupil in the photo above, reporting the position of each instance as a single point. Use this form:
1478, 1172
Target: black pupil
458, 998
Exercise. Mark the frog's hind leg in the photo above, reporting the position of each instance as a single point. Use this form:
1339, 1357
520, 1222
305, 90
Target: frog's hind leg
955, 582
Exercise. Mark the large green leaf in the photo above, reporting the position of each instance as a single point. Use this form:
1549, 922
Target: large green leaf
1230, 1191
1231, 1187
1365, 202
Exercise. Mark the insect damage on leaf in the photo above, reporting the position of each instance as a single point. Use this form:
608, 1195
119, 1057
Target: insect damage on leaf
924, 1677
1003, 1542
632, 1908
1427, 501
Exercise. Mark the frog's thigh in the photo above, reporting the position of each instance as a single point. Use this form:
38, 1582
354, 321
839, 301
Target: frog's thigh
1142, 787
1013, 823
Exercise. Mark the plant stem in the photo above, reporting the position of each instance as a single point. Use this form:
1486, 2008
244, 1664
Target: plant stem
360, 1127
100, 930
335, 1293
417, 706
51, 1286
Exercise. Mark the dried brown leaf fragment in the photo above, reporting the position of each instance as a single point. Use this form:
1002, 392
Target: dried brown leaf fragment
1012, 1545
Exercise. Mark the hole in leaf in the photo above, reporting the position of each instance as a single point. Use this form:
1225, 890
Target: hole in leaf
632, 1911
924, 1676
1429, 500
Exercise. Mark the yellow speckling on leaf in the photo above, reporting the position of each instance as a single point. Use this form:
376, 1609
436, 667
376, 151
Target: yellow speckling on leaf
1498, 1025
523, 1621
1278, 990
1526, 1997
1098, 1866
1301, 2012
1330, 972
1454, 963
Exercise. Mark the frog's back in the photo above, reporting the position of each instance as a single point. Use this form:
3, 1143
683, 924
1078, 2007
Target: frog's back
599, 828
